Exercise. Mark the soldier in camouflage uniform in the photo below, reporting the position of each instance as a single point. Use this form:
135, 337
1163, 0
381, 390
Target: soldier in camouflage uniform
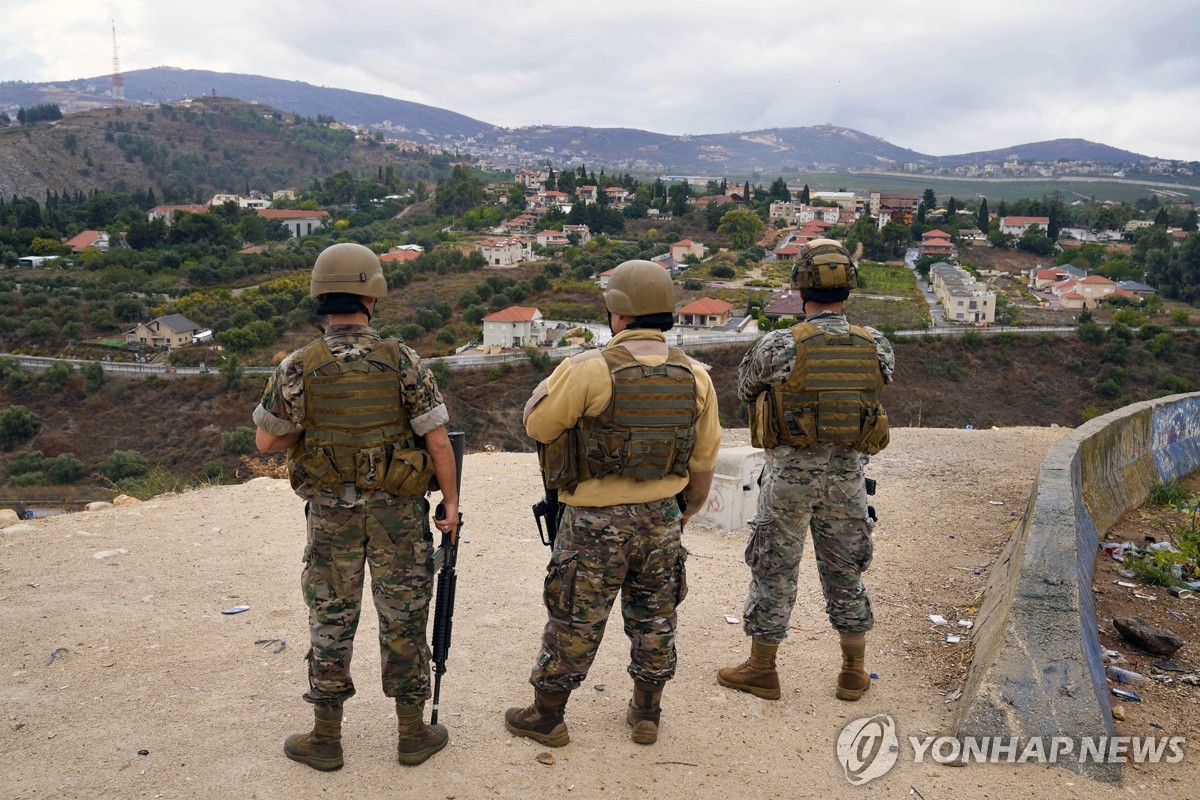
364, 426
814, 395
624, 430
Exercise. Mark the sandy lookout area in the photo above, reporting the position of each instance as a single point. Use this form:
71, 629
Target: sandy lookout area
120, 676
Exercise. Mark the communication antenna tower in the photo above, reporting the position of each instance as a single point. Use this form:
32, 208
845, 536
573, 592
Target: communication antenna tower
118, 80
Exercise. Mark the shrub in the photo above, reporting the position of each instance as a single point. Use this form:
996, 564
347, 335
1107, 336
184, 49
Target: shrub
410, 332
18, 424
25, 461
722, 271
1167, 493
972, 340
538, 359
237, 441
499, 371
26, 479
447, 335
441, 372
1177, 384
1090, 332
56, 376
693, 285
153, 482
64, 468
1180, 316
125, 464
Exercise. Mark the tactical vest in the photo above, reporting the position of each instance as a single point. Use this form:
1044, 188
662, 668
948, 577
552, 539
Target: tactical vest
356, 429
647, 431
831, 397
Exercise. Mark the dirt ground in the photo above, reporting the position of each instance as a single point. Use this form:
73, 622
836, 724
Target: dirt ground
1166, 703
156, 693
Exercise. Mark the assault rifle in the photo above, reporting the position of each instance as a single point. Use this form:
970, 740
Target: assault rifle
546, 510
445, 561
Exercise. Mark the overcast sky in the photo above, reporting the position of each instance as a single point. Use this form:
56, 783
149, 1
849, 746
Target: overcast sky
940, 78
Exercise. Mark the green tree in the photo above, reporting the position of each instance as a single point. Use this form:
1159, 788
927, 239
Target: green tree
805, 195
56, 376
741, 226
779, 190
232, 372
18, 425
94, 376
929, 199
238, 441
983, 219
460, 192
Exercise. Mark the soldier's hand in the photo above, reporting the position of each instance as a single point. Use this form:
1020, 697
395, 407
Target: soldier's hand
447, 520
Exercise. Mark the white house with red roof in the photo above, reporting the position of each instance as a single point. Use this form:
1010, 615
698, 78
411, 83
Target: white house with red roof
515, 326
617, 194
936, 243
1076, 293
82, 241
582, 231
551, 198
399, 256
505, 252
299, 223
706, 312
588, 194
686, 247
1016, 226
552, 239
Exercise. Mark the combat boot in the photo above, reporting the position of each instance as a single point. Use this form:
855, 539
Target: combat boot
418, 741
756, 674
644, 711
853, 680
542, 721
322, 748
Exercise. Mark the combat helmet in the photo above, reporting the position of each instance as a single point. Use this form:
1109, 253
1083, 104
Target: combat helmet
348, 268
639, 288
824, 264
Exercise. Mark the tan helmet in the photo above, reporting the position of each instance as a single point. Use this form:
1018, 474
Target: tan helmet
637, 288
824, 264
350, 268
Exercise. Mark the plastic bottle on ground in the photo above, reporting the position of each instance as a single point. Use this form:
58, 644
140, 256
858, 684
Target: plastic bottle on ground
1124, 675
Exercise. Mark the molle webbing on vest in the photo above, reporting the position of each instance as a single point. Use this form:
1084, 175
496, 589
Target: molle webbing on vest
832, 395
648, 430
355, 425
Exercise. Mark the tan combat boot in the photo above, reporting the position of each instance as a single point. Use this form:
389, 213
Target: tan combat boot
418, 741
322, 748
853, 680
756, 674
644, 711
542, 721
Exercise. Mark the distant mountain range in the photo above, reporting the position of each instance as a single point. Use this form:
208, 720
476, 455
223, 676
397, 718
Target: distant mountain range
771, 151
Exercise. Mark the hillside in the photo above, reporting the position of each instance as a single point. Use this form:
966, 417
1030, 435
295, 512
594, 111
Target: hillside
1053, 150
983, 381
184, 152
165, 84
775, 150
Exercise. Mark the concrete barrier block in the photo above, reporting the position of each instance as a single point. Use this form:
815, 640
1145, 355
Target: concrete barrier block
734, 494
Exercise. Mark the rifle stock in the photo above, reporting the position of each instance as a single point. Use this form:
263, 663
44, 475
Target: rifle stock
445, 562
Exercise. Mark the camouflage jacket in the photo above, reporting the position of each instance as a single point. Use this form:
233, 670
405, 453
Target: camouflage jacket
770, 361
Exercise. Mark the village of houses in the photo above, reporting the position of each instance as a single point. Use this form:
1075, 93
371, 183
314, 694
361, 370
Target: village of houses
961, 298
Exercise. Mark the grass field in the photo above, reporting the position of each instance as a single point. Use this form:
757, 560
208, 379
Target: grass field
881, 279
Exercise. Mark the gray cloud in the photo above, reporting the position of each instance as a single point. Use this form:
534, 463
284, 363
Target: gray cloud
938, 79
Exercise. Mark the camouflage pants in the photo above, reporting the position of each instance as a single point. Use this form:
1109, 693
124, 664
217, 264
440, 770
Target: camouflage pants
634, 550
396, 542
819, 488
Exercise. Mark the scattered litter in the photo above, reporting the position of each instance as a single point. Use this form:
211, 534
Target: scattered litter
731, 619
1124, 695
1175, 614
56, 655
951, 536
279, 644
953, 638
966, 623
1124, 675
937, 619
1162, 678
1145, 596
1167, 666
996, 502
1126, 584
957, 693
874, 677
1190, 680
1125, 573
1157, 546
600, 687
236, 610
143, 752
103, 554
1181, 593
545, 758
